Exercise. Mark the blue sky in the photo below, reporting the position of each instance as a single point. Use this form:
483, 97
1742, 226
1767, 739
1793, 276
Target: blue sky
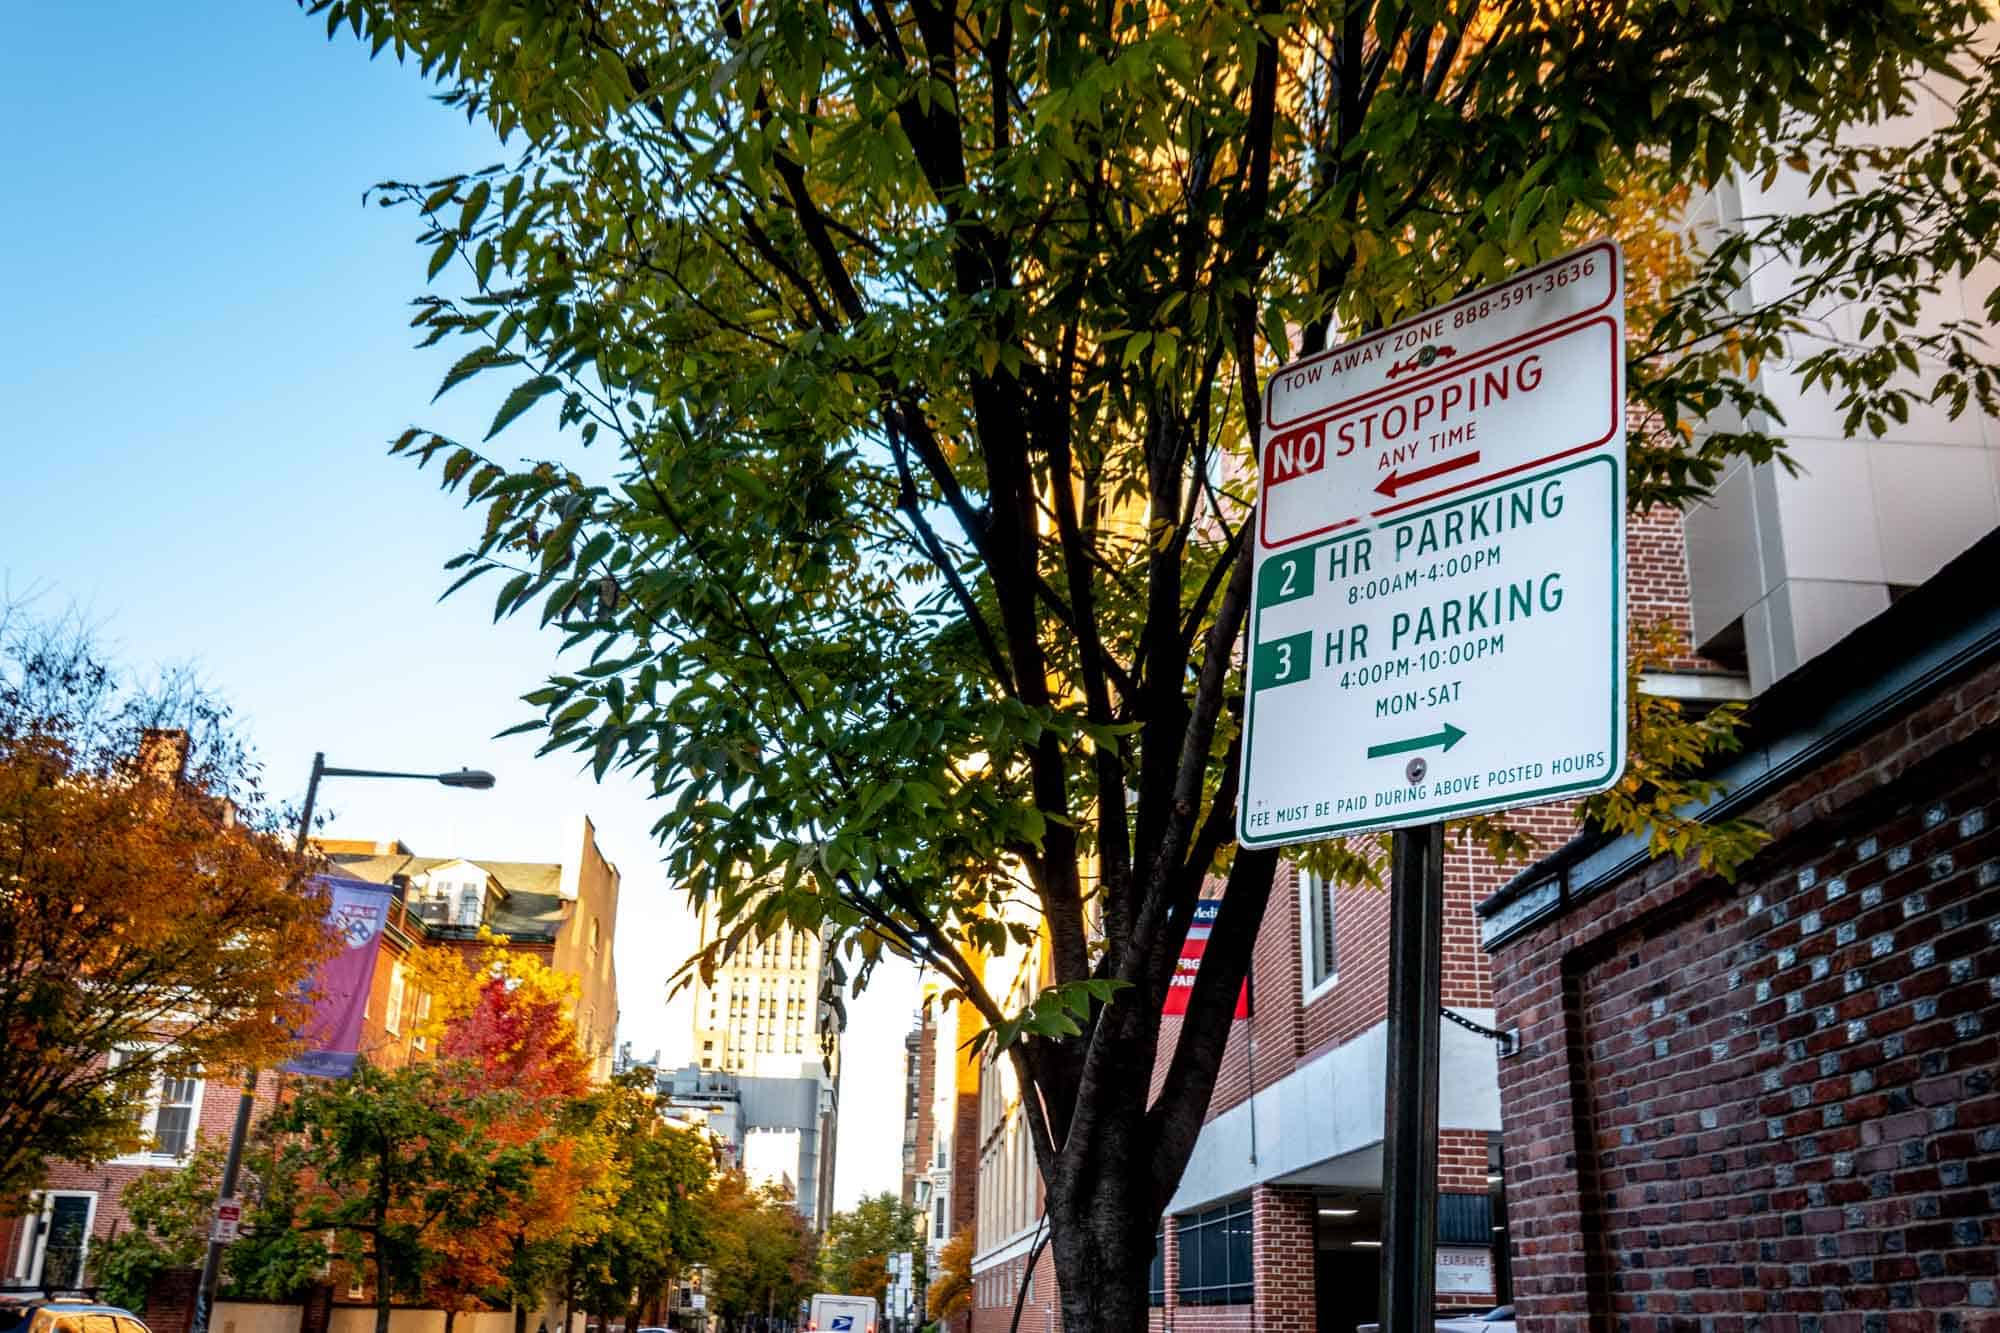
203, 355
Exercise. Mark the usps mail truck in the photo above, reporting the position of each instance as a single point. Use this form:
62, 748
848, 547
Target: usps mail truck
842, 1314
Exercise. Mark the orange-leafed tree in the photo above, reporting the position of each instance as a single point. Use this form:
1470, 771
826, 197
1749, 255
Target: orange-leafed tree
155, 923
951, 1295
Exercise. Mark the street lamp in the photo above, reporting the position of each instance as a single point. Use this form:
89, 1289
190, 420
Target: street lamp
472, 779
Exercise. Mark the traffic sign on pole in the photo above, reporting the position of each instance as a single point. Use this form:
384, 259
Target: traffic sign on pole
228, 1223
1438, 617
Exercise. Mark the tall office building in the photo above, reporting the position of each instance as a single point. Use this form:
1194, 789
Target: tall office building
771, 1020
760, 1017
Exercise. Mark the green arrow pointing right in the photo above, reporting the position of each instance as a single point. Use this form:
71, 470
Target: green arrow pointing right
1447, 738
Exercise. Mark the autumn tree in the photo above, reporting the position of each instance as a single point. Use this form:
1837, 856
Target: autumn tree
501, 1025
401, 1166
854, 1252
951, 1295
155, 924
658, 1221
924, 340
762, 1255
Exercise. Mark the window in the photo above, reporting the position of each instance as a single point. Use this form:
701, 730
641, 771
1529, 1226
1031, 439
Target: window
937, 1226
1465, 1219
392, 1011
1156, 1276
1319, 945
1215, 1255
167, 1117
471, 905
173, 1116
422, 1015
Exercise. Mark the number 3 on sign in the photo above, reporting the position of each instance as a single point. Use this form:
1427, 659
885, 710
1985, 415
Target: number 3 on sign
1282, 661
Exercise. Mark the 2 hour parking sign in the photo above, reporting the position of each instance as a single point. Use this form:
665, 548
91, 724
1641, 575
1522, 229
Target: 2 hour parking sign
1438, 617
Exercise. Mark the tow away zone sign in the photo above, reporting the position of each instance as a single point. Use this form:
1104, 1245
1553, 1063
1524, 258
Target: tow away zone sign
1438, 624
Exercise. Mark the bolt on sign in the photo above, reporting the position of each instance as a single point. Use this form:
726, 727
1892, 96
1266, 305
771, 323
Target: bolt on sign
1438, 623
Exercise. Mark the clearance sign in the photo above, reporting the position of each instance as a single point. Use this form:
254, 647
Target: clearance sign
1438, 625
1182, 984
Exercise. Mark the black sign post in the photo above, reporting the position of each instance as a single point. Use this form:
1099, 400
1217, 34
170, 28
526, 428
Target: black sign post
1410, 1111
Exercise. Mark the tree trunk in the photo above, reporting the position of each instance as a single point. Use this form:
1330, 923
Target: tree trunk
1101, 1233
520, 1318
450, 1317
1107, 1187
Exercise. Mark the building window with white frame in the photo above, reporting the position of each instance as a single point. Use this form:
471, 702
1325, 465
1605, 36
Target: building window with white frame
392, 1008
1319, 941
167, 1118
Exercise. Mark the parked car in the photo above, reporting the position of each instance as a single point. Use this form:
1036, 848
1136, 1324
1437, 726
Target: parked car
31, 1313
1500, 1319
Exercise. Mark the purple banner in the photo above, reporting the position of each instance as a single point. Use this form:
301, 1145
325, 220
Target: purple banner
332, 1036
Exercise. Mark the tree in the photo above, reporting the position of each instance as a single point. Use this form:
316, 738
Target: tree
854, 1253
502, 1027
951, 1295
658, 1222
761, 1259
928, 337
167, 1215
156, 923
399, 1164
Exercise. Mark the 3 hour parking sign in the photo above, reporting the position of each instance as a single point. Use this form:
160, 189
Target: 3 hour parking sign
1438, 617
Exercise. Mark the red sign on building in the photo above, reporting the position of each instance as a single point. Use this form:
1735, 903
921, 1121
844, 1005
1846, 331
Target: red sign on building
1182, 984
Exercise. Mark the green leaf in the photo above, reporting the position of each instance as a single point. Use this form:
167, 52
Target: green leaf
478, 359
521, 399
475, 204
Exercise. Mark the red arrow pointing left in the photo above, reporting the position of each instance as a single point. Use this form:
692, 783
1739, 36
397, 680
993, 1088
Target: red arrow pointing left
1390, 484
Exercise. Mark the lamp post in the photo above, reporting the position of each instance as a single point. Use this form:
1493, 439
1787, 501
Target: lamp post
211, 1264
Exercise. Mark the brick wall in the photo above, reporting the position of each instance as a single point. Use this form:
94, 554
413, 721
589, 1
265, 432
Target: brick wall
170, 1301
219, 1097
965, 1184
1771, 1106
1656, 580
996, 1289
1285, 1218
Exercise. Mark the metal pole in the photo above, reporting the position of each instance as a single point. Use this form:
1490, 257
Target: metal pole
1410, 1118
232, 1164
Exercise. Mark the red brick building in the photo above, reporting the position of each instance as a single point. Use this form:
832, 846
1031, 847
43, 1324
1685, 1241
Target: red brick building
1277, 1221
1771, 1105
566, 912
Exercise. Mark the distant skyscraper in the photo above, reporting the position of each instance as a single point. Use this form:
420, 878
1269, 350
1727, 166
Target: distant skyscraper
771, 1019
760, 1016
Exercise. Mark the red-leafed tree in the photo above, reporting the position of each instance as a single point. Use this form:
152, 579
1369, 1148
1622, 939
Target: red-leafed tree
502, 1026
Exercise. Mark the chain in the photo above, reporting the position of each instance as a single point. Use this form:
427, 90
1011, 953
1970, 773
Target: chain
1509, 1042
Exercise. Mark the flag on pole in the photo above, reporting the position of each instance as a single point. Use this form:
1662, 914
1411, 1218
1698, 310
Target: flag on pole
357, 912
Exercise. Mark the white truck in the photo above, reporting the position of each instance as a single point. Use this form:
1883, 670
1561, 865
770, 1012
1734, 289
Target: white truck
841, 1314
